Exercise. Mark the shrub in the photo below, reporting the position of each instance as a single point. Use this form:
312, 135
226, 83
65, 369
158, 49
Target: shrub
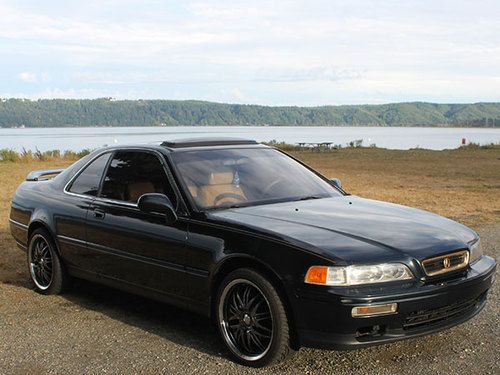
475, 146
8, 155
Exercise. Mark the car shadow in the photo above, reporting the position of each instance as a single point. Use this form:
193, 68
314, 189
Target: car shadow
169, 322
174, 324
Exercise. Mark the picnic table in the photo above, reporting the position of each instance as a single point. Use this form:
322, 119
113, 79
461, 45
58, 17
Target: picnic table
316, 144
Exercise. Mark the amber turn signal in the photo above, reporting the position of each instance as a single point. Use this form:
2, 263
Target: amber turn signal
374, 310
317, 275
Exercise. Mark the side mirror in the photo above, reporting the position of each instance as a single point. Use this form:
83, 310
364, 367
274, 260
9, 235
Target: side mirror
336, 182
157, 203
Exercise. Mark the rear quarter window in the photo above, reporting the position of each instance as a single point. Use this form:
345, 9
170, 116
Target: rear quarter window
87, 182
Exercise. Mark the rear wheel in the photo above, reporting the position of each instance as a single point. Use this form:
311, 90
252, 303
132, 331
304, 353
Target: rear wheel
46, 270
252, 319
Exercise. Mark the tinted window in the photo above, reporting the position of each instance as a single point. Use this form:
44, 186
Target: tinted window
88, 181
132, 174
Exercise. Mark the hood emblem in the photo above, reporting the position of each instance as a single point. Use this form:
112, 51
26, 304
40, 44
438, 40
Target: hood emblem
446, 263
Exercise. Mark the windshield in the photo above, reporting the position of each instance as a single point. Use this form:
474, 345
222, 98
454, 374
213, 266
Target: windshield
247, 176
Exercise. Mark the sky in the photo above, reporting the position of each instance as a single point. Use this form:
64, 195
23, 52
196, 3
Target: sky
290, 52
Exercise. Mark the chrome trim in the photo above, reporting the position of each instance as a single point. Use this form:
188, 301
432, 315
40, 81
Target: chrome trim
114, 201
133, 256
465, 262
65, 188
17, 223
21, 246
71, 239
158, 154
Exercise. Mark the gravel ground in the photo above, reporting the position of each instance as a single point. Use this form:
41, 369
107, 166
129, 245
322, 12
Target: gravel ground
93, 329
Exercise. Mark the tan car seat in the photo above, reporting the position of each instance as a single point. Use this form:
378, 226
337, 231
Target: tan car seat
219, 189
136, 189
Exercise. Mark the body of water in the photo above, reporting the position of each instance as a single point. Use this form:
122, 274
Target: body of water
393, 138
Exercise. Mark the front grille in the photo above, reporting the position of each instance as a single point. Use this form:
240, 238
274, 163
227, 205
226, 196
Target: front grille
421, 318
446, 263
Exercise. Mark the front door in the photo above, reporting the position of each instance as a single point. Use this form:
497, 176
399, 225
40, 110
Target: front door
71, 218
133, 246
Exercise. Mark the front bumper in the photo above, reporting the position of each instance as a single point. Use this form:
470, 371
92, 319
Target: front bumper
323, 315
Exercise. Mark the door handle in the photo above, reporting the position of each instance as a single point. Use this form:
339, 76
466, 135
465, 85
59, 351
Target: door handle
98, 214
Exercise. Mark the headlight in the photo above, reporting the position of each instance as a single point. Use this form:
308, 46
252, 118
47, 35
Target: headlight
357, 275
476, 251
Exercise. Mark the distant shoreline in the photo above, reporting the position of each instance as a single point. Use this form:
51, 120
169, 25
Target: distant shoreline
107, 112
252, 125
79, 138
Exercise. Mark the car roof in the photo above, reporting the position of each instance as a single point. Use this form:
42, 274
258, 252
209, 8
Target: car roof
206, 142
185, 143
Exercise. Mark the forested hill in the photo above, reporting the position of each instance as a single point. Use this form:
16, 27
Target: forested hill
108, 112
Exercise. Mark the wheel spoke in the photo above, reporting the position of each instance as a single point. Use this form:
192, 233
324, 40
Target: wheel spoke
233, 317
240, 338
257, 341
41, 275
36, 251
43, 251
233, 309
240, 300
263, 335
246, 340
36, 271
261, 327
45, 277
257, 305
262, 316
246, 297
251, 302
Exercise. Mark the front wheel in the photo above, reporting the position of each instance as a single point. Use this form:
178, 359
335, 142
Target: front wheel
252, 319
46, 270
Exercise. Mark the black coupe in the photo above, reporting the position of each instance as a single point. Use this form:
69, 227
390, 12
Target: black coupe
276, 254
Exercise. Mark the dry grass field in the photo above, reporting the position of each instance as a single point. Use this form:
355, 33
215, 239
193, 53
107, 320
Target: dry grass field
462, 184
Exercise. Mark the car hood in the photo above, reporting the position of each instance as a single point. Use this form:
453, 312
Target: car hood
352, 229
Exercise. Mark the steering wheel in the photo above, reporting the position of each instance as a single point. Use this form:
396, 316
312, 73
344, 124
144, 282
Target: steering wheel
273, 185
229, 197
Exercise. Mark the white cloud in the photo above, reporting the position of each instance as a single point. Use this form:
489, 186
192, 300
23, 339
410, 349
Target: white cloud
313, 73
27, 77
274, 51
56, 93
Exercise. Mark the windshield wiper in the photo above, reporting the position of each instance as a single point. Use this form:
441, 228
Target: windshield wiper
234, 206
227, 207
308, 197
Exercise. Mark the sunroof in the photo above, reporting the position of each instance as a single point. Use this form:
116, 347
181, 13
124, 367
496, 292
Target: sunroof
200, 142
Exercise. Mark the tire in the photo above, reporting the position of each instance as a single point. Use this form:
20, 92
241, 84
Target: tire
44, 264
252, 319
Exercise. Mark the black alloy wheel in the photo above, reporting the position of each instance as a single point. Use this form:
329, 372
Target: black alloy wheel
40, 262
252, 319
46, 270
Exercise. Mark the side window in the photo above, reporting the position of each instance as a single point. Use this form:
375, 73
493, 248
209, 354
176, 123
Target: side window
134, 173
88, 181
